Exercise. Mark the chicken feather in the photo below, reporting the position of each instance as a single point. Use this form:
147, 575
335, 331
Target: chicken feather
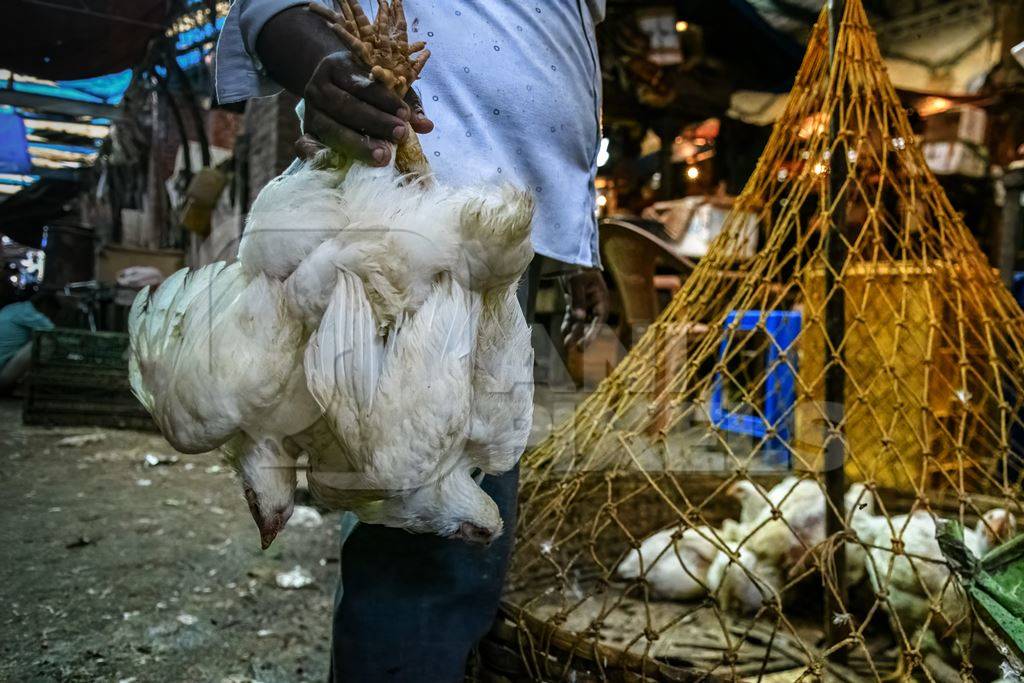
502, 411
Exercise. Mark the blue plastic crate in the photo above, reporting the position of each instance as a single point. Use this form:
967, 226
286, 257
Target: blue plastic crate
782, 329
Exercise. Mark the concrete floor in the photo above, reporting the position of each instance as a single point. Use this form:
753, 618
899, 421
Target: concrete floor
116, 570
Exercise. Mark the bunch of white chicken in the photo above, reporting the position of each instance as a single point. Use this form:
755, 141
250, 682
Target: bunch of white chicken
749, 562
744, 562
370, 321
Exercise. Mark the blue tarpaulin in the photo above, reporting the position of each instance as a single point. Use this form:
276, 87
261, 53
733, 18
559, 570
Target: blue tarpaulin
13, 147
107, 89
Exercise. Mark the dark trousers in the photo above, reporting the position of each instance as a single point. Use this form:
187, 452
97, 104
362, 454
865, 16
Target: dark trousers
411, 607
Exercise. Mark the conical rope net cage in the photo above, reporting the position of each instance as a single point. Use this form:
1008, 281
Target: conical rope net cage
867, 347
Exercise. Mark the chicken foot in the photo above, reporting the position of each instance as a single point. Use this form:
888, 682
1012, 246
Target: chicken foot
383, 46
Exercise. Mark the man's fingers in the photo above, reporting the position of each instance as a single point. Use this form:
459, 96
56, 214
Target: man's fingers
372, 92
343, 72
590, 333
597, 304
578, 296
586, 307
575, 334
348, 141
351, 112
420, 122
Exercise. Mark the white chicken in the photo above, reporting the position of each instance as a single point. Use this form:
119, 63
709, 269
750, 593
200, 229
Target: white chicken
397, 236
502, 408
914, 577
753, 499
996, 527
910, 569
766, 549
367, 309
402, 411
674, 562
216, 359
739, 582
452, 503
867, 528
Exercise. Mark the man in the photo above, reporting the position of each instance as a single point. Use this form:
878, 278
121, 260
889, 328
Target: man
511, 93
17, 321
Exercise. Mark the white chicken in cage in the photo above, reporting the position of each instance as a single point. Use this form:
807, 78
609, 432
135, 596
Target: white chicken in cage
765, 550
673, 562
907, 565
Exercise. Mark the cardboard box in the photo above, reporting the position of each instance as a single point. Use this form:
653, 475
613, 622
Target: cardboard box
962, 124
955, 158
113, 258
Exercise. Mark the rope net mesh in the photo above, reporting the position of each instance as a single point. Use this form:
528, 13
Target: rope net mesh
714, 429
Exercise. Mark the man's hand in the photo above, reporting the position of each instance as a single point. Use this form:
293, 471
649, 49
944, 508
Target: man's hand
345, 109
354, 115
586, 307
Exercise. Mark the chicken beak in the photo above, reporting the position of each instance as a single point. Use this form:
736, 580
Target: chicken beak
472, 533
272, 526
269, 526
268, 532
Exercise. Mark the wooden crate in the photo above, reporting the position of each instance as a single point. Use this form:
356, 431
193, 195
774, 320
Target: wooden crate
80, 378
114, 258
899, 377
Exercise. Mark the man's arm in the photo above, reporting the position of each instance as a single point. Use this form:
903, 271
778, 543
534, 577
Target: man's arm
345, 109
586, 310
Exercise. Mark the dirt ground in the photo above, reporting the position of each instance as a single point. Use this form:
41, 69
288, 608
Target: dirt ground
119, 570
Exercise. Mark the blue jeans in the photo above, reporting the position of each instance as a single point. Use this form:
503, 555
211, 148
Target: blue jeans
411, 607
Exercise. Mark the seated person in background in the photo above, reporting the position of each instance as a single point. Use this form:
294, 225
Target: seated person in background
16, 324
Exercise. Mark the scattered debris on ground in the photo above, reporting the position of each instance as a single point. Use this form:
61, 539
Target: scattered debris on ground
80, 440
107, 578
296, 577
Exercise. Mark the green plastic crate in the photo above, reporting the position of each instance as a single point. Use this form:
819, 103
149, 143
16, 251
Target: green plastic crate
63, 347
80, 378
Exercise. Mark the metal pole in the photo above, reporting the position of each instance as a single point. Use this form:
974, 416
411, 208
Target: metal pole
835, 331
1012, 225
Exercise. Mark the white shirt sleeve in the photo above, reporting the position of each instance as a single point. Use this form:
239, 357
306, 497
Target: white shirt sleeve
239, 74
